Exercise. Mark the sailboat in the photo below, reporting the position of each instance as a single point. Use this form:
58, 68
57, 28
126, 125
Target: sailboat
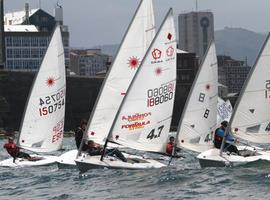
250, 120
42, 127
199, 117
144, 117
136, 41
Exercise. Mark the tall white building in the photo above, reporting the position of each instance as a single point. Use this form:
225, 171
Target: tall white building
196, 31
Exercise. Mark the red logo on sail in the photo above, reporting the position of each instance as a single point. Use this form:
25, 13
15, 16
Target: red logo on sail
158, 71
170, 51
133, 62
50, 81
169, 36
156, 53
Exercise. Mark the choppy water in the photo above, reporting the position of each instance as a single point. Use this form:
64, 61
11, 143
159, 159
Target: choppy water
184, 180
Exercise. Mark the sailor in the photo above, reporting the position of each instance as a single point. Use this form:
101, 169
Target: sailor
79, 134
95, 149
14, 150
170, 146
219, 134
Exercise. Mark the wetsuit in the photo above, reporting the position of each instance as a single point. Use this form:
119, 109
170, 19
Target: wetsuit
219, 134
169, 148
14, 151
94, 151
78, 139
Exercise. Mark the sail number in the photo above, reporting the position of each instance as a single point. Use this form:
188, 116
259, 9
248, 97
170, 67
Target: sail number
52, 103
267, 89
58, 131
152, 134
160, 95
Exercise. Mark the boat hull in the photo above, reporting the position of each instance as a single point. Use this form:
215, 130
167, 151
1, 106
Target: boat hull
212, 157
86, 162
67, 160
20, 162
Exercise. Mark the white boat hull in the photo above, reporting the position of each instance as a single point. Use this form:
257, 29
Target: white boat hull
67, 160
212, 157
86, 162
20, 162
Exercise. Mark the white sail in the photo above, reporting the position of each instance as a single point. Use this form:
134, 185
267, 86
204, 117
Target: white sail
144, 118
130, 54
251, 118
199, 118
224, 110
43, 123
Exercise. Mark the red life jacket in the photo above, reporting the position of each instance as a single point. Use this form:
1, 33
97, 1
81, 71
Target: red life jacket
12, 149
169, 148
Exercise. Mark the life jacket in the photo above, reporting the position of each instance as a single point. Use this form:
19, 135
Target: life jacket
169, 148
12, 149
217, 138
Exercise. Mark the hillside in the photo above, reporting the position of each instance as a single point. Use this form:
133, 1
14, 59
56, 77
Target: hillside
238, 43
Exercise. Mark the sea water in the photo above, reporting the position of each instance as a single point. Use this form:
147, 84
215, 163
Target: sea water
183, 180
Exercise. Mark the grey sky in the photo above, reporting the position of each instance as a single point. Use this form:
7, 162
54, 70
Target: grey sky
97, 22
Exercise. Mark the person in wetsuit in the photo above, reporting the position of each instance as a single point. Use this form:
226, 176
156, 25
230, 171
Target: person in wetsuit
170, 146
219, 134
79, 134
95, 149
14, 150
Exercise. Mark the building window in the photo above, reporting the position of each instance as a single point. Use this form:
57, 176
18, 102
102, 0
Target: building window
17, 41
16, 53
25, 53
35, 53
25, 41
10, 64
8, 41
34, 41
9, 53
42, 52
43, 42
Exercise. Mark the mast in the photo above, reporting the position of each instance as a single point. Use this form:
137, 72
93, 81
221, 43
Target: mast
241, 95
132, 82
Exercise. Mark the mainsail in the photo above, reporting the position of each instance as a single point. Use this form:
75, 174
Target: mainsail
144, 118
130, 54
42, 126
199, 118
251, 117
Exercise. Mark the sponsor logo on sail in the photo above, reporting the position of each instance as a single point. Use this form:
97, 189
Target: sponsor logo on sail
136, 125
170, 51
156, 53
133, 62
169, 36
158, 71
136, 121
136, 117
50, 81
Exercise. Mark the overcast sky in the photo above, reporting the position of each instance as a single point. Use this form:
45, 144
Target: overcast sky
98, 22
